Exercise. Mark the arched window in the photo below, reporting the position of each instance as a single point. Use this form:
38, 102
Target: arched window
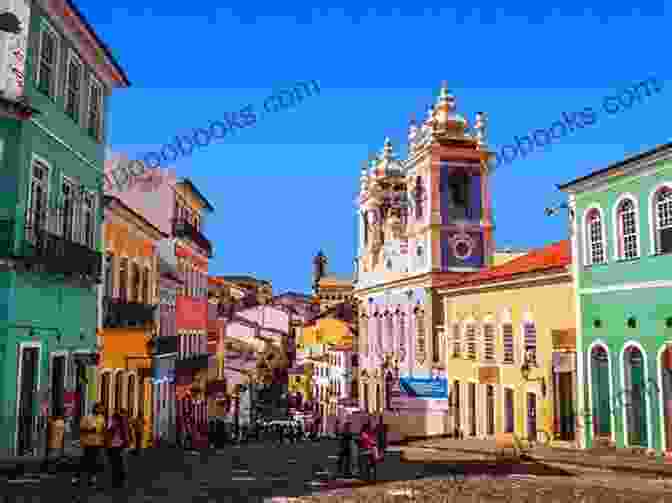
489, 342
118, 390
662, 222
131, 395
105, 390
626, 220
595, 237
530, 341
457, 340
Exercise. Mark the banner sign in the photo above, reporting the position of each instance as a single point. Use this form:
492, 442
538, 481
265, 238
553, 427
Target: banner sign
436, 388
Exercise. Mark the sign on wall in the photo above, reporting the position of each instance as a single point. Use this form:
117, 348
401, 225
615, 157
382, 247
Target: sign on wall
415, 387
13, 49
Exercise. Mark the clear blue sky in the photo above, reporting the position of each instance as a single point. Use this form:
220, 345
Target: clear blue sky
285, 188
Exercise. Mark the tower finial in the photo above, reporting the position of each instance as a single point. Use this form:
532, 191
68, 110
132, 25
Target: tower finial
387, 148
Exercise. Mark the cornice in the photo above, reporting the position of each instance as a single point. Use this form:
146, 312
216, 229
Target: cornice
556, 275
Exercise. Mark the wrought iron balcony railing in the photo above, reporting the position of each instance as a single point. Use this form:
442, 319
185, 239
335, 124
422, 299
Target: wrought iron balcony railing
37, 246
119, 313
184, 229
193, 362
165, 345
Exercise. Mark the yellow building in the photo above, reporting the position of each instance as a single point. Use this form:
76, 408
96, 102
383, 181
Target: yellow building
301, 380
495, 321
129, 302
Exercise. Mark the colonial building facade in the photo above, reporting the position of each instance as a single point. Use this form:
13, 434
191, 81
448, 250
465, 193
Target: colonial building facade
421, 220
622, 244
500, 321
56, 77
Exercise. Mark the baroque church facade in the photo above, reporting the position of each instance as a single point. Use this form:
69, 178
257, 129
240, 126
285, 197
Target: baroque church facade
422, 219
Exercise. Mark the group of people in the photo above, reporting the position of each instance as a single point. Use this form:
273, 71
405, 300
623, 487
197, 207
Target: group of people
370, 446
113, 434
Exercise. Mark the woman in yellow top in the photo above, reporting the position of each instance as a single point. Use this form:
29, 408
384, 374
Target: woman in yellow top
92, 440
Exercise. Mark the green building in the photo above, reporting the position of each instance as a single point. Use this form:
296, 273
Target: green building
622, 255
55, 80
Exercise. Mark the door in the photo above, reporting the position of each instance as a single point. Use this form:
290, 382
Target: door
509, 411
490, 405
532, 417
81, 381
27, 393
566, 406
57, 385
472, 409
456, 404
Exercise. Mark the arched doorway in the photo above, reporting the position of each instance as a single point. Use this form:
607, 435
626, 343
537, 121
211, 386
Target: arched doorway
666, 377
599, 363
634, 397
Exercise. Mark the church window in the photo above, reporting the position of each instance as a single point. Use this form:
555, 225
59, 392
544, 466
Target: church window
663, 220
595, 235
627, 230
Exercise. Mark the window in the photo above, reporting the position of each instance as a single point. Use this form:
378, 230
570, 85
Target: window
471, 341
490, 406
530, 337
118, 390
46, 68
89, 220
663, 220
74, 88
105, 390
123, 279
68, 211
456, 339
627, 230
131, 395
146, 288
595, 233
489, 342
507, 335
39, 200
95, 110
109, 275
135, 288
436, 345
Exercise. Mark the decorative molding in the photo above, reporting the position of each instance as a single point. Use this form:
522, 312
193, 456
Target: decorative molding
627, 286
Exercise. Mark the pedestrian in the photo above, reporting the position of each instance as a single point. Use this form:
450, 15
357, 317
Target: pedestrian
367, 454
117, 441
345, 451
92, 440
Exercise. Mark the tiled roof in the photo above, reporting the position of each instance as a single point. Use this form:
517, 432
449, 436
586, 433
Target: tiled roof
553, 256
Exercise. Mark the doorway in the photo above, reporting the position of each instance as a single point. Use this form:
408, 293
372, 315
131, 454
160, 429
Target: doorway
456, 406
28, 370
599, 361
532, 417
509, 411
81, 382
490, 407
666, 370
564, 402
58, 385
635, 406
472, 409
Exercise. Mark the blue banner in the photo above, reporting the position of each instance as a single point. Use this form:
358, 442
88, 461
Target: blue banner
424, 387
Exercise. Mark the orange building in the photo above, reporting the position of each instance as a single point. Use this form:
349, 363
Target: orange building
128, 307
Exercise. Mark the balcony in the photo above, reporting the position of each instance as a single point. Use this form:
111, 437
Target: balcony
37, 247
193, 362
165, 345
184, 229
119, 313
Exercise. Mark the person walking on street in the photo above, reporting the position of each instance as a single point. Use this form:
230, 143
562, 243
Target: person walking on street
367, 453
345, 451
117, 441
92, 439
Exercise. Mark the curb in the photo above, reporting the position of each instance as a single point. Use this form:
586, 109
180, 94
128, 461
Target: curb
575, 462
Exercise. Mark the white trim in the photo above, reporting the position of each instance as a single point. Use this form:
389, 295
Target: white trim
653, 218
19, 377
46, 26
645, 377
610, 372
617, 237
29, 199
66, 146
72, 56
660, 283
585, 234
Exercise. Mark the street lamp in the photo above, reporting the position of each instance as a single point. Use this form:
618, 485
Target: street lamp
525, 370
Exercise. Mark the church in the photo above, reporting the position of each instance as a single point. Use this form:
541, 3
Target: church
422, 220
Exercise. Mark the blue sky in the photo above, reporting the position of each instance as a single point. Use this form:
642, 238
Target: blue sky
285, 188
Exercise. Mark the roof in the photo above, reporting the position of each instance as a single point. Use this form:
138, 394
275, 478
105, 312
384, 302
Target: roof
190, 184
619, 164
296, 295
107, 199
553, 256
102, 44
249, 279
